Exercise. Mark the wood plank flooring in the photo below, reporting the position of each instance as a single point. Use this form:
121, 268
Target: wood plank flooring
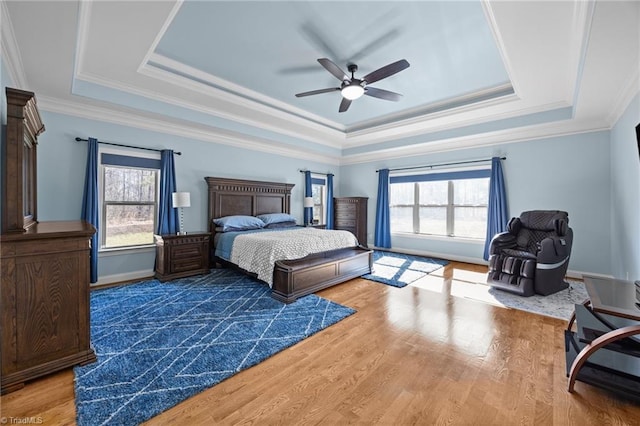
408, 356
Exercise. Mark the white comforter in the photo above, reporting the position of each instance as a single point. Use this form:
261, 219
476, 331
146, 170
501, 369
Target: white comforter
258, 252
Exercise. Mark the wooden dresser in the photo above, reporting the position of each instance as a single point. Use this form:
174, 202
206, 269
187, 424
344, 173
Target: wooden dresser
180, 256
44, 286
350, 214
45, 300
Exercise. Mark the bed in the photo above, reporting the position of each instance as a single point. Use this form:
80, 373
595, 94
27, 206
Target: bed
292, 278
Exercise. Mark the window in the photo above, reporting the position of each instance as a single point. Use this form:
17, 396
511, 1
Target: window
319, 194
451, 204
129, 200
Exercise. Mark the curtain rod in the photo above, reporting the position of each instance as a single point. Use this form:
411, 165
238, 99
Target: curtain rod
315, 173
443, 164
125, 146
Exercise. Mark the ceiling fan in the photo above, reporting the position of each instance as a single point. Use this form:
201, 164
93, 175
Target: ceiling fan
352, 88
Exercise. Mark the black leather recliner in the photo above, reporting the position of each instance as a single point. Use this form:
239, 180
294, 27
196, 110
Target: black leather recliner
532, 257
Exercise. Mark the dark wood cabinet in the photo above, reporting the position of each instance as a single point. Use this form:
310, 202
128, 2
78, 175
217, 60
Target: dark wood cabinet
350, 214
45, 301
19, 182
180, 256
44, 287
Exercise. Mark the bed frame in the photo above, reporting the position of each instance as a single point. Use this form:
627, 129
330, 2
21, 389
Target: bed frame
291, 278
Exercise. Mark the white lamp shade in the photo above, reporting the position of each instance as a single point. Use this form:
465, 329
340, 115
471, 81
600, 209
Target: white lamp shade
308, 201
181, 199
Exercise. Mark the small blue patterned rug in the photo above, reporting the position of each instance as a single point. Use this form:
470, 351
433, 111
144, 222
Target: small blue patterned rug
160, 343
399, 269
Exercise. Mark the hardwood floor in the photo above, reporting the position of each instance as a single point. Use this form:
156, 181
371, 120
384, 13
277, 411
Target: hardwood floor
408, 356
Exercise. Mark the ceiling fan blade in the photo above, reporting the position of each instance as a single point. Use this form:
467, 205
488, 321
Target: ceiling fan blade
382, 94
334, 69
317, 92
375, 44
319, 38
344, 105
386, 71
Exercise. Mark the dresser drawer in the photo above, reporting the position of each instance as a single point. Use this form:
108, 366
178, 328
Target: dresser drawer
346, 222
348, 214
343, 208
351, 229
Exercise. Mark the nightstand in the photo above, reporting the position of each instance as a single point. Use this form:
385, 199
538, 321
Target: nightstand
180, 256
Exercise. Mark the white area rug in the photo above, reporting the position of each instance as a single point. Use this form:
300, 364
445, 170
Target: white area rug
470, 285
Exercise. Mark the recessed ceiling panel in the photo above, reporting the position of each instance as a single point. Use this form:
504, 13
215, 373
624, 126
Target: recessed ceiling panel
272, 48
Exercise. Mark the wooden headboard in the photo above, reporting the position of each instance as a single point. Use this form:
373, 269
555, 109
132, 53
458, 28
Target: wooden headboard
246, 197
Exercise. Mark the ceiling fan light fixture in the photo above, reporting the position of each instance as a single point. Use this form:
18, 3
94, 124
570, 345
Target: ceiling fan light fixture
353, 88
352, 91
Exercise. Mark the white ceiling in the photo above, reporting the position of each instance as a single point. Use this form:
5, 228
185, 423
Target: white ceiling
228, 71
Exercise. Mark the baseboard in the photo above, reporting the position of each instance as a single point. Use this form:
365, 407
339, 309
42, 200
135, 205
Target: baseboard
124, 277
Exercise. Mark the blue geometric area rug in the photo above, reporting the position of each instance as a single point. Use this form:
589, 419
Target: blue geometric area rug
160, 343
399, 269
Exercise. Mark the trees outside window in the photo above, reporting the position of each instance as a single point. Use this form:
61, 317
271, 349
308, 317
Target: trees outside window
450, 207
129, 196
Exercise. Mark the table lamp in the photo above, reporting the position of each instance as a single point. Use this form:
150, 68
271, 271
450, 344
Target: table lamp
180, 200
308, 203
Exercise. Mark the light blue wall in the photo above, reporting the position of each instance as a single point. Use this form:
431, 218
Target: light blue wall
565, 173
625, 195
61, 169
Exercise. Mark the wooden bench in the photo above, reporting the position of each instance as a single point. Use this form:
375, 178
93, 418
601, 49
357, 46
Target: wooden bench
298, 277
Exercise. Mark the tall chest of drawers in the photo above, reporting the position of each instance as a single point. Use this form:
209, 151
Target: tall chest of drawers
350, 214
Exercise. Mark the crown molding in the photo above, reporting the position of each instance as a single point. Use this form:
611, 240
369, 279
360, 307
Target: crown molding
180, 74
192, 79
163, 30
187, 130
215, 112
583, 20
500, 137
441, 111
84, 14
486, 97
497, 36
630, 90
10, 49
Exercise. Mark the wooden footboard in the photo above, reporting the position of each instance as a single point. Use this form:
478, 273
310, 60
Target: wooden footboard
296, 278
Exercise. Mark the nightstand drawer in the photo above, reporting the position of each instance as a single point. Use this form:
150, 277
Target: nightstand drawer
186, 265
186, 251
